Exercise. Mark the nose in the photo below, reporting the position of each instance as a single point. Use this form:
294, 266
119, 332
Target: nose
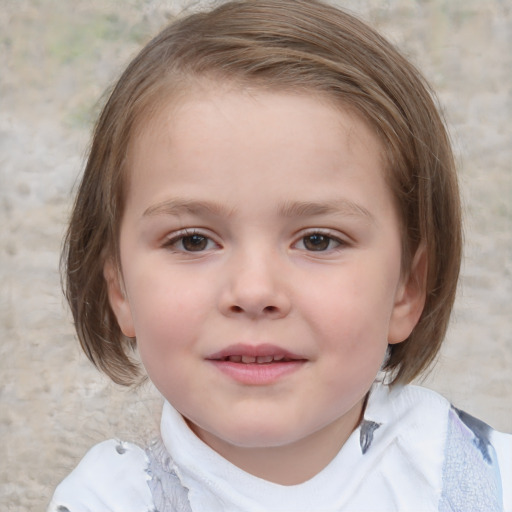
255, 288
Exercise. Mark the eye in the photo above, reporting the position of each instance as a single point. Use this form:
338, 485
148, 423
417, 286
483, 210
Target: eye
319, 242
190, 242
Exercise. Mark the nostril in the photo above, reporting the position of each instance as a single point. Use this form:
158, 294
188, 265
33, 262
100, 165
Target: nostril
267, 309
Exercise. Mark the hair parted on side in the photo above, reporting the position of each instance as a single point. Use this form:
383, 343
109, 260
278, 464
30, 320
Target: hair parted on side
297, 45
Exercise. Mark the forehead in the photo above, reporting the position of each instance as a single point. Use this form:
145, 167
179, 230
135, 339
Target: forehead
219, 143
189, 116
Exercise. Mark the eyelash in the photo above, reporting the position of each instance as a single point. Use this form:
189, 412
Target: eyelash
202, 238
325, 235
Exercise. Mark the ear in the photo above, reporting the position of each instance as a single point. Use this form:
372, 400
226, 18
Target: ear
410, 299
117, 298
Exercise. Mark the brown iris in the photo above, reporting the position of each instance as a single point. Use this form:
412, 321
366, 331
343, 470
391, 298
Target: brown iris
316, 242
194, 242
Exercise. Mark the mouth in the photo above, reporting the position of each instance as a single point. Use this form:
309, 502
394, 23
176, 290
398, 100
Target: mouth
257, 359
255, 354
256, 365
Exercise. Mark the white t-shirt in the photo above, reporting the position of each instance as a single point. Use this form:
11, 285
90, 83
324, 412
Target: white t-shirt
412, 451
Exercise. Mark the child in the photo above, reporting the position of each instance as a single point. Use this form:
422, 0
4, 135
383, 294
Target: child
270, 214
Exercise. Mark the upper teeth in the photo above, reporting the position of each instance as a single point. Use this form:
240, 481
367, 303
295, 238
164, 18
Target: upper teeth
255, 359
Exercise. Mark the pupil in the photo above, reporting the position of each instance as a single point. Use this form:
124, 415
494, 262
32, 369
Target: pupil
316, 242
195, 242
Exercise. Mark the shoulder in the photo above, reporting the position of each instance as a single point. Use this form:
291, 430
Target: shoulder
408, 409
467, 462
502, 443
112, 477
477, 460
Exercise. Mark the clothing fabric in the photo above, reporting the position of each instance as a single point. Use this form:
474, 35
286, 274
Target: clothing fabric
412, 451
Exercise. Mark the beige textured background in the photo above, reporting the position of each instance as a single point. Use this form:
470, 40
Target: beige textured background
56, 59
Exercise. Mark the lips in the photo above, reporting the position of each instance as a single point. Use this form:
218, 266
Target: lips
258, 365
255, 354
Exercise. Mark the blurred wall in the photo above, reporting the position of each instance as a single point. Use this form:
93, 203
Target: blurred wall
57, 58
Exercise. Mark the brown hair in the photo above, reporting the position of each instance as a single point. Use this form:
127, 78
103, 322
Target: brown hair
300, 45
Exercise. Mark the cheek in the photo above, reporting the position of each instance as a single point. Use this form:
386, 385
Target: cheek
350, 316
359, 302
166, 316
165, 335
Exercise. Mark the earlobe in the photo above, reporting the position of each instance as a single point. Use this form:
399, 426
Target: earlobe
117, 298
410, 299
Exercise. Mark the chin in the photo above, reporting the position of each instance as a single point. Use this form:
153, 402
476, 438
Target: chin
248, 434
262, 436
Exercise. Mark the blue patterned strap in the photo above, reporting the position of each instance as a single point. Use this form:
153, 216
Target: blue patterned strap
169, 495
472, 480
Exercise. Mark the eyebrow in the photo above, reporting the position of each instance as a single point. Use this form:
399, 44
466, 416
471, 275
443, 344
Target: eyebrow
343, 207
184, 206
337, 206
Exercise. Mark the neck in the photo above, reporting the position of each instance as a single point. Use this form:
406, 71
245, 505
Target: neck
294, 463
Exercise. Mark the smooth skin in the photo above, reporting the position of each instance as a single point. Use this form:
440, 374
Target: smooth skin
253, 218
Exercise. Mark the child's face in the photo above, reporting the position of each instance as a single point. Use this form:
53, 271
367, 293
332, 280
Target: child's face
260, 255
